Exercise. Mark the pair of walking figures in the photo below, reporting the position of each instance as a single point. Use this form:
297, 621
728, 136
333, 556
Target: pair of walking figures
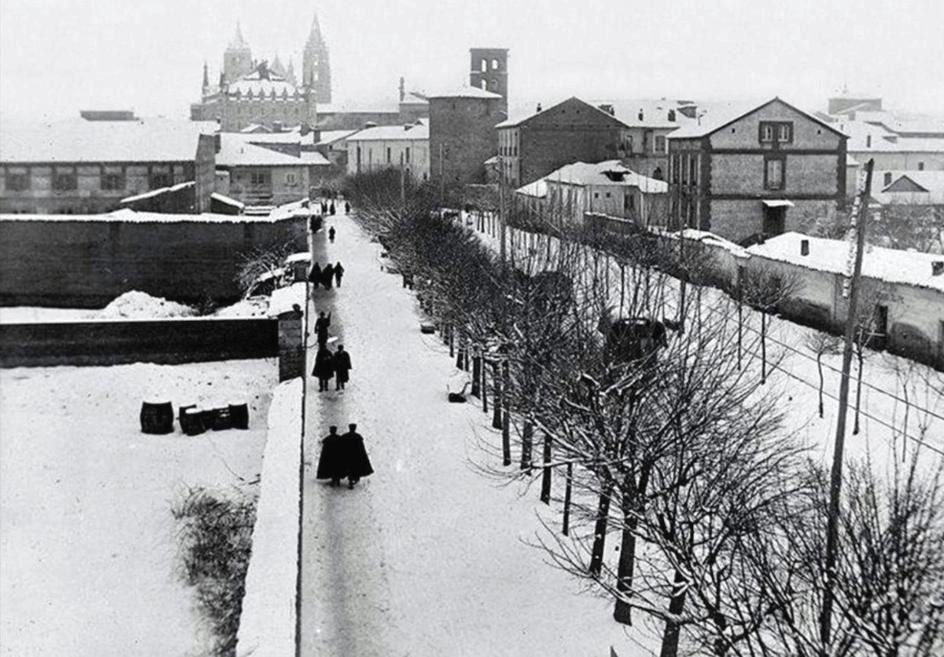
343, 456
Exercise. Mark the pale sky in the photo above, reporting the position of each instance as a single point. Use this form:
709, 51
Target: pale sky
57, 56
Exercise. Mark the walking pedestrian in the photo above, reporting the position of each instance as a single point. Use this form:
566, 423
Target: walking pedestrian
324, 208
331, 234
327, 276
342, 367
331, 208
331, 461
338, 273
356, 462
324, 368
347, 208
321, 328
314, 275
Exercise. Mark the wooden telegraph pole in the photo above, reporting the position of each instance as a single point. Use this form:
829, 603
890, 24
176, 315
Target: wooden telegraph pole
860, 216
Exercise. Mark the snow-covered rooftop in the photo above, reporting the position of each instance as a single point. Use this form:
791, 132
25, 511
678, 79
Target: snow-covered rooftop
285, 298
518, 119
890, 265
655, 112
227, 200
536, 189
331, 136
130, 216
463, 92
611, 172
314, 158
78, 140
237, 151
867, 137
416, 131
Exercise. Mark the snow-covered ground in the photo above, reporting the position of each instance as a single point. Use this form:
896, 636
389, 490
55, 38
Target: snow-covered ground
427, 556
87, 544
902, 406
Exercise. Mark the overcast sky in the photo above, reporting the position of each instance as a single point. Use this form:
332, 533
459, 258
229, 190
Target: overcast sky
57, 56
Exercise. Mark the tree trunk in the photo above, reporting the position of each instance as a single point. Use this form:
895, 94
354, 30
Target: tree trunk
819, 369
599, 530
476, 375
855, 423
484, 366
527, 438
496, 401
740, 332
670, 637
763, 347
546, 473
452, 341
506, 417
460, 351
622, 612
568, 488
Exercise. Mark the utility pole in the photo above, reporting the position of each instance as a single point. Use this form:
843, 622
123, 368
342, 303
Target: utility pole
860, 215
442, 176
501, 216
402, 183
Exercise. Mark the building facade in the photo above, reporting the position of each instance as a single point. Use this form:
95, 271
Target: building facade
762, 172
489, 71
397, 147
88, 167
257, 176
532, 146
462, 134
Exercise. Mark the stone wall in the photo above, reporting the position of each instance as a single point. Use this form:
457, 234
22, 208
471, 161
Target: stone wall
85, 263
465, 129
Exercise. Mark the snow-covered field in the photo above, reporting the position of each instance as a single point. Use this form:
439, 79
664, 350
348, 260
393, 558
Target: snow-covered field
87, 545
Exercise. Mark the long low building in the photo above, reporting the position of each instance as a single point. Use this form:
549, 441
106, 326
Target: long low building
400, 147
259, 176
77, 166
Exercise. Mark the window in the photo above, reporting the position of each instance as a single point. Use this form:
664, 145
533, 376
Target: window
657, 174
483, 66
159, 180
494, 64
112, 182
407, 154
776, 132
774, 172
693, 169
258, 178
388, 155
291, 179
17, 182
608, 195
660, 144
920, 166
887, 179
65, 181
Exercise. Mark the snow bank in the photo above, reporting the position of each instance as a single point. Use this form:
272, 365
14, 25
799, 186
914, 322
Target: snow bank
251, 307
284, 298
267, 624
140, 305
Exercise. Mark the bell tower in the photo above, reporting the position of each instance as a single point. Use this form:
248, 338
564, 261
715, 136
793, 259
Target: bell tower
237, 59
489, 71
316, 64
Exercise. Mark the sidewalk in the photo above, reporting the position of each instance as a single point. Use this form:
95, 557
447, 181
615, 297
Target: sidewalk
427, 556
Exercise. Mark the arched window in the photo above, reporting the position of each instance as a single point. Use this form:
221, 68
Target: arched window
493, 84
484, 83
483, 66
494, 64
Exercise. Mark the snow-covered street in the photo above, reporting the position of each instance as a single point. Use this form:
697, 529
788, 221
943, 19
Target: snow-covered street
428, 556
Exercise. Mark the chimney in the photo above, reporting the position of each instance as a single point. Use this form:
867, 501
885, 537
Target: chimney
608, 108
672, 115
804, 247
937, 267
402, 89
538, 108
868, 141
640, 114
276, 126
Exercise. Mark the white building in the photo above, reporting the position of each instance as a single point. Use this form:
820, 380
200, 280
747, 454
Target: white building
384, 147
605, 188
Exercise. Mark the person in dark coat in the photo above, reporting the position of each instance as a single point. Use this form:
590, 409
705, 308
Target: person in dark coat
324, 208
331, 461
327, 276
331, 234
324, 368
338, 273
331, 208
321, 328
342, 367
356, 462
314, 275
347, 208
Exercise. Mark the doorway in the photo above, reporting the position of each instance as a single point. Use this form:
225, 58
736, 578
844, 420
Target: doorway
774, 220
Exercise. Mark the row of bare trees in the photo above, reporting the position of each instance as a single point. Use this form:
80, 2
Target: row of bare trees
671, 446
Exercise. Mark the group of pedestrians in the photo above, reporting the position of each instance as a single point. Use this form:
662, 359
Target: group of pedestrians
343, 456
330, 365
326, 276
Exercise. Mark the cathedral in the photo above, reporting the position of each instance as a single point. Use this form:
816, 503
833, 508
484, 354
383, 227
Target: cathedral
256, 92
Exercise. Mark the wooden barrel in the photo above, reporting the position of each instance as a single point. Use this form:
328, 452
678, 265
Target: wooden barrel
239, 415
157, 417
191, 421
222, 419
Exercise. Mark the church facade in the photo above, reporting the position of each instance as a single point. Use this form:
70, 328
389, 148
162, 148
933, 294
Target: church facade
252, 92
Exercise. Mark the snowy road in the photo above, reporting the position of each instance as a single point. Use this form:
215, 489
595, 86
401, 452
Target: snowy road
427, 556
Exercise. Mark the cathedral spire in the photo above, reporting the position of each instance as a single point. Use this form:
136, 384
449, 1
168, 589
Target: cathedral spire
314, 36
238, 42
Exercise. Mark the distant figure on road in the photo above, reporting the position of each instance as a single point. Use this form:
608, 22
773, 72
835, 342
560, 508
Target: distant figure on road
342, 367
331, 208
356, 462
324, 208
321, 328
338, 273
331, 461
331, 234
314, 275
324, 368
327, 276
347, 208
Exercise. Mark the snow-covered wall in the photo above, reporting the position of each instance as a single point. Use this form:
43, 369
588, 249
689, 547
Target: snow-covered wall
267, 624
